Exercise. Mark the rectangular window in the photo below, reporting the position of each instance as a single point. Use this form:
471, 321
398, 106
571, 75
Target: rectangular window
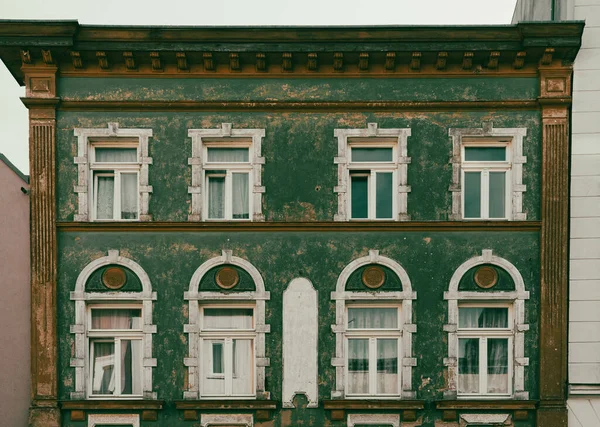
484, 350
115, 182
486, 180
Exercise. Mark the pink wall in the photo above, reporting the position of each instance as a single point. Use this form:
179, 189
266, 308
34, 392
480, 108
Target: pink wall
14, 299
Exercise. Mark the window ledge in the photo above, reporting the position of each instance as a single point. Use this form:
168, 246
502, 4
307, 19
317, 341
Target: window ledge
227, 404
373, 404
130, 404
486, 404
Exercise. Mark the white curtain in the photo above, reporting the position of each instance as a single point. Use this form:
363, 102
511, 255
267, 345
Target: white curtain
228, 318
227, 155
497, 380
242, 369
117, 318
468, 365
387, 366
103, 368
373, 318
216, 197
105, 197
358, 366
116, 155
131, 367
240, 373
483, 317
241, 207
129, 195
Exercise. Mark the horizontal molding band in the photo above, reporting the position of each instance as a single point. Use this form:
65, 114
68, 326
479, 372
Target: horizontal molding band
112, 404
297, 105
491, 405
373, 404
222, 404
458, 226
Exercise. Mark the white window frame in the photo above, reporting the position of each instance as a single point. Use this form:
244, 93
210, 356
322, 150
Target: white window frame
515, 300
197, 298
372, 137
483, 334
86, 301
111, 137
115, 336
225, 137
485, 168
227, 335
373, 335
488, 136
403, 298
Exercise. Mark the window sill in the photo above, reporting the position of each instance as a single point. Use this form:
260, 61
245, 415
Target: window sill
190, 408
78, 408
520, 408
338, 408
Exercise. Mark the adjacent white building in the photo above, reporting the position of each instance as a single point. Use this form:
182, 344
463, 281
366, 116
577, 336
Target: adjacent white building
584, 314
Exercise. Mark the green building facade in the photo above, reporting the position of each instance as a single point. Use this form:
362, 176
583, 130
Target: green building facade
297, 226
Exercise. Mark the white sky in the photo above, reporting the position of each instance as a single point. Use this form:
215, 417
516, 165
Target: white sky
13, 115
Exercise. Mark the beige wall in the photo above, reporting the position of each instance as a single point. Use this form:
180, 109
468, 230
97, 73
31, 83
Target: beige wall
14, 299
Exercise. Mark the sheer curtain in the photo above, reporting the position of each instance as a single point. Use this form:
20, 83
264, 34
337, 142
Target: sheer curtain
387, 366
497, 381
373, 318
227, 155
242, 369
129, 195
116, 155
468, 365
358, 366
216, 197
103, 368
105, 197
239, 196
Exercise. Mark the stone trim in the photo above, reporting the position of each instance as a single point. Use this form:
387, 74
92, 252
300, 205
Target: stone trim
401, 162
516, 168
374, 419
197, 164
115, 419
215, 420
340, 296
485, 419
260, 295
517, 298
84, 183
82, 299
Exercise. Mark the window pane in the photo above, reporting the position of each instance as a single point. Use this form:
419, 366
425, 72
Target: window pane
216, 197
116, 155
241, 207
212, 383
227, 155
105, 197
242, 369
372, 154
497, 194
119, 318
218, 357
360, 196
358, 366
103, 368
497, 355
483, 317
384, 195
228, 318
387, 366
131, 367
129, 196
373, 318
472, 189
485, 154
468, 365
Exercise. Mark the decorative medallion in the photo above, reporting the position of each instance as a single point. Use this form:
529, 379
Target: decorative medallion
114, 278
227, 278
486, 277
373, 277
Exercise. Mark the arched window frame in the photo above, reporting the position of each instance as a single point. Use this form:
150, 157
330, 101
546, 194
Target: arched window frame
405, 297
515, 298
83, 299
194, 297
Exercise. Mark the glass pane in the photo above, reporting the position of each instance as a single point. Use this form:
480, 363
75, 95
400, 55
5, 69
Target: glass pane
131, 367
212, 383
227, 155
216, 197
468, 365
360, 196
358, 366
483, 317
116, 155
239, 196
103, 368
105, 197
228, 318
117, 318
373, 318
242, 369
497, 194
129, 196
387, 366
372, 154
218, 357
485, 154
472, 189
384, 195
497, 356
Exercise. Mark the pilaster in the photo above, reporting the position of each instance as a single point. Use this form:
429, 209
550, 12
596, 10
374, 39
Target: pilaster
555, 100
41, 101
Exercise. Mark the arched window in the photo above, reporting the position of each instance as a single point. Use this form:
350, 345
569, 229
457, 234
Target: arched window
486, 330
113, 330
373, 330
226, 330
